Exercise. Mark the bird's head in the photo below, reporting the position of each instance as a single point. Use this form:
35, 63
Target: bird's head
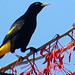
36, 7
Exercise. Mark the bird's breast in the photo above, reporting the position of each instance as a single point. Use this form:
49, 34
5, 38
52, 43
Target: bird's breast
29, 25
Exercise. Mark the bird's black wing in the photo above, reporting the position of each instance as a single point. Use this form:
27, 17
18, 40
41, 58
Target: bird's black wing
13, 30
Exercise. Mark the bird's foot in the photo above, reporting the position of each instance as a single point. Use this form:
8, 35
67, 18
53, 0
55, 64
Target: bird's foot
32, 49
18, 56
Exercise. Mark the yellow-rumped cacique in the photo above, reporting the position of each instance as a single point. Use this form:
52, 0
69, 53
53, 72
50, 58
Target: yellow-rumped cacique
21, 30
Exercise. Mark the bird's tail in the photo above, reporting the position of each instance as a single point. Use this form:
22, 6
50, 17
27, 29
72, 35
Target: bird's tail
1, 56
5, 48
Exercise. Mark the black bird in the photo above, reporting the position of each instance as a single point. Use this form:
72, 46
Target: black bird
21, 31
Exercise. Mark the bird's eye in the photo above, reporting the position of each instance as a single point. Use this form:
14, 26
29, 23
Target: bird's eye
37, 3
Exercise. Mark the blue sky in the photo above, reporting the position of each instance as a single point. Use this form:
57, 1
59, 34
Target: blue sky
53, 19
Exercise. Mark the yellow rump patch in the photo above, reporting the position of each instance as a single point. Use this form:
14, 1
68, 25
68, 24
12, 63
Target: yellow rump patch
5, 48
11, 29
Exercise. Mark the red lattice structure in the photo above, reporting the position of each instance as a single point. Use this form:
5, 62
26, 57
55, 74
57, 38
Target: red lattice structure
52, 52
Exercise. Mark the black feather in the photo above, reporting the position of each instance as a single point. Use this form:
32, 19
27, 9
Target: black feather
25, 27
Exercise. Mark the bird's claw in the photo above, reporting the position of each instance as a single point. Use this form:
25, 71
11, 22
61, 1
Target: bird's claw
33, 49
21, 58
18, 56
